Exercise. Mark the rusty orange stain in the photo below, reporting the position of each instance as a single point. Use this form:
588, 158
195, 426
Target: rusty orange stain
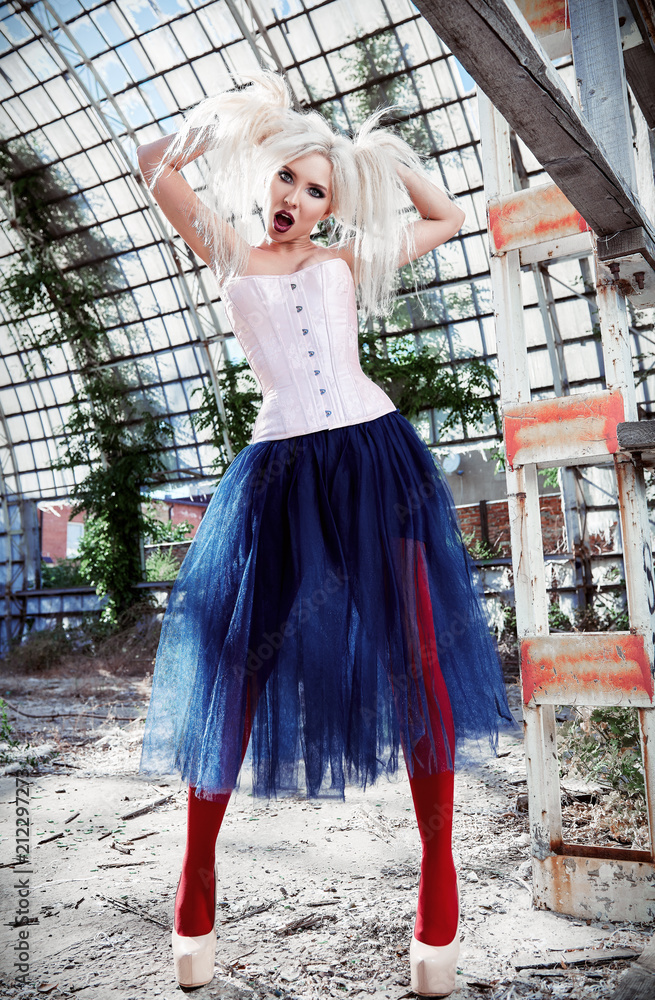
533, 215
565, 666
566, 424
545, 17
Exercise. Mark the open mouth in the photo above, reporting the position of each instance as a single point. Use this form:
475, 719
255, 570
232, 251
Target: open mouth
282, 222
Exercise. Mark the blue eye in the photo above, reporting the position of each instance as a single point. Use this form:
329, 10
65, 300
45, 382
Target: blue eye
285, 175
316, 193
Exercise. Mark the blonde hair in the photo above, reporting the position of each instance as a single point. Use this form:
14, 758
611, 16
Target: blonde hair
247, 134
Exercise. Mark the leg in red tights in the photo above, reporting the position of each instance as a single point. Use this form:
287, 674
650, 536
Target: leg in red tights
432, 793
194, 902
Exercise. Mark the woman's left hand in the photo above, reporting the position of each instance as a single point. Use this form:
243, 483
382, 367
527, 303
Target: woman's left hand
440, 217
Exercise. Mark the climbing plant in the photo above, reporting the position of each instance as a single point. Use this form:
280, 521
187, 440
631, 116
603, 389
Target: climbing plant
242, 400
117, 440
421, 379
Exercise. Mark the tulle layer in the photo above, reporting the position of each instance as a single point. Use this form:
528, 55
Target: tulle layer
328, 601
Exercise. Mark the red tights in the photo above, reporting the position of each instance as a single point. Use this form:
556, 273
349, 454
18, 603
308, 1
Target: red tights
432, 794
194, 902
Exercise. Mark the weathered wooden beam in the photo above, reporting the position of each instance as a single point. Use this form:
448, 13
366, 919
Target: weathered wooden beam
599, 70
496, 45
589, 888
640, 59
532, 215
628, 258
640, 71
567, 430
636, 435
587, 668
644, 14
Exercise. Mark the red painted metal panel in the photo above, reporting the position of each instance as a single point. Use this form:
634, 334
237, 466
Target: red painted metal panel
534, 215
569, 428
587, 668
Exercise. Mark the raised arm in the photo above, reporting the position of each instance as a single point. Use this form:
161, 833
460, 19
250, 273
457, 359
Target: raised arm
441, 218
175, 196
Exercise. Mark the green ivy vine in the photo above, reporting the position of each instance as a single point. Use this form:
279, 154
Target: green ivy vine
119, 441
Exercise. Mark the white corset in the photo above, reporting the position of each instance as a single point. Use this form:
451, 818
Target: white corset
299, 334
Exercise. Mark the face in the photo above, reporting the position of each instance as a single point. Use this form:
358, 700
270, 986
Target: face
300, 196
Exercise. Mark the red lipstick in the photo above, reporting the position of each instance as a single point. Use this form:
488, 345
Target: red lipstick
282, 222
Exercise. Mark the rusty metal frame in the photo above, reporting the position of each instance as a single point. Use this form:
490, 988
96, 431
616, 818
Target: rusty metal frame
590, 669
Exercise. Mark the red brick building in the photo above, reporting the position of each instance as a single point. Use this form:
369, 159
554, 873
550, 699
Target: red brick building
488, 521
60, 536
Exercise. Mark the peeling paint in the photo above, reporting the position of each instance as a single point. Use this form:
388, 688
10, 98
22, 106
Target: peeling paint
533, 215
545, 17
583, 425
587, 668
611, 890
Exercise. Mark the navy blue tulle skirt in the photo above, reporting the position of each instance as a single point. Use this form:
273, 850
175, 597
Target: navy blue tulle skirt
327, 611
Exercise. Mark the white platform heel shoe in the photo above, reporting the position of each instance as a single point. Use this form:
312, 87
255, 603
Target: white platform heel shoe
194, 957
434, 967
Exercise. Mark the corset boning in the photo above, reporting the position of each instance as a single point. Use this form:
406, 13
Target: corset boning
299, 335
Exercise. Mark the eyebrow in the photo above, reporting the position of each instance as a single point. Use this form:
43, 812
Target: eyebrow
310, 184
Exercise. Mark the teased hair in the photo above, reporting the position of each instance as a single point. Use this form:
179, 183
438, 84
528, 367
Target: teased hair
247, 134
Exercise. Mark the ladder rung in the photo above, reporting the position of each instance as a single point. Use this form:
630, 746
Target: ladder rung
568, 430
530, 216
562, 248
586, 668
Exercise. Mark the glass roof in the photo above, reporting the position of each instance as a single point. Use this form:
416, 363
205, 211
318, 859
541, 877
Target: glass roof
82, 84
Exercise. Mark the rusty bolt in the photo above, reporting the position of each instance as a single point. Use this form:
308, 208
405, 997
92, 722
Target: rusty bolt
615, 268
639, 278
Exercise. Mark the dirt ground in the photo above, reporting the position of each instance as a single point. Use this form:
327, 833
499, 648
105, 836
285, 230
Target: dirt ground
315, 898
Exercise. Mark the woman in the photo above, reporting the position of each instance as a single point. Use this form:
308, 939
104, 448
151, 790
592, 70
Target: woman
326, 606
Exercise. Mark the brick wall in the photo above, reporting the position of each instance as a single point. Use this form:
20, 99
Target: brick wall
552, 523
55, 517
54, 530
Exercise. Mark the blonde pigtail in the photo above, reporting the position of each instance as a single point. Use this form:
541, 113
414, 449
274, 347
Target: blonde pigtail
229, 130
385, 212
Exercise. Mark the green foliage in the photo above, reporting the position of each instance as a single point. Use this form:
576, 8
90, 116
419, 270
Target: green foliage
423, 379
8, 744
603, 745
122, 460
479, 549
162, 565
65, 573
550, 477
160, 532
557, 620
242, 400
119, 441
499, 457
6, 728
604, 613
508, 630
11, 750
